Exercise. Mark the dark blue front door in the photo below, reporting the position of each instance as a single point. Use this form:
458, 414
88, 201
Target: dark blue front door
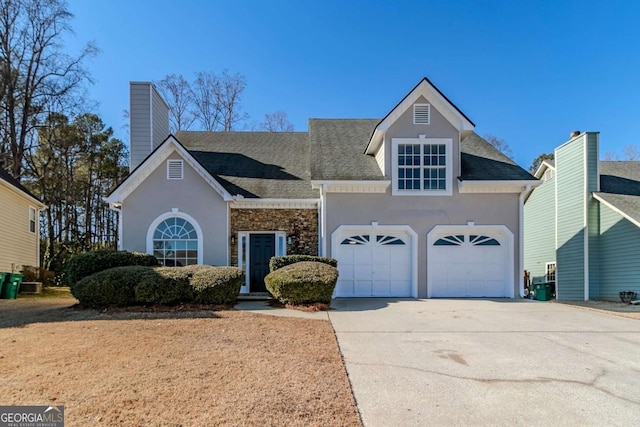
261, 248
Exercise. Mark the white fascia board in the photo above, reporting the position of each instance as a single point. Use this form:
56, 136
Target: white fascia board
496, 186
22, 194
274, 203
615, 209
432, 96
351, 186
154, 161
542, 168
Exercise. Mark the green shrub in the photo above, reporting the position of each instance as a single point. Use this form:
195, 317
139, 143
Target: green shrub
277, 262
112, 287
217, 285
85, 264
31, 273
169, 285
303, 282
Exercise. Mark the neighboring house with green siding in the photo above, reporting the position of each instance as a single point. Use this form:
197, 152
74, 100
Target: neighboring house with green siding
19, 228
582, 225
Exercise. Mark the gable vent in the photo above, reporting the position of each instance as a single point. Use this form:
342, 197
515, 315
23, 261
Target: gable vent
421, 114
174, 169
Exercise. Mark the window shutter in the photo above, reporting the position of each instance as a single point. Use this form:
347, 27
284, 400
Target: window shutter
421, 114
174, 169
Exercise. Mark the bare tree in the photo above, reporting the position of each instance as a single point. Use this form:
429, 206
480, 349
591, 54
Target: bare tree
499, 143
227, 93
34, 70
176, 90
631, 152
276, 122
206, 106
611, 156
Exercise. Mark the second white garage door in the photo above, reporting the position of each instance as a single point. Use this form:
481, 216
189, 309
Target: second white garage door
373, 263
470, 262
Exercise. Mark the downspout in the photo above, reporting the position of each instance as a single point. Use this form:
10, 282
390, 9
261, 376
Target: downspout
521, 197
323, 220
119, 211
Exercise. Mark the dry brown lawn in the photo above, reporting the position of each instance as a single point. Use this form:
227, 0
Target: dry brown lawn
199, 368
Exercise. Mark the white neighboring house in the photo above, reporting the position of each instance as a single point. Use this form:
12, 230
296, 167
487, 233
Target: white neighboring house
20, 226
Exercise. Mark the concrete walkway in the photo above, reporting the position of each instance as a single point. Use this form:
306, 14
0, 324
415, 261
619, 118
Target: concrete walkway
263, 307
488, 362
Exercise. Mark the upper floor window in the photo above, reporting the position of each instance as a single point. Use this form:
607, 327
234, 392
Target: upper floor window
421, 114
550, 275
33, 219
174, 169
422, 166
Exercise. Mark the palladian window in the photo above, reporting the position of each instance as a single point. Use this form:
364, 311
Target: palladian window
175, 243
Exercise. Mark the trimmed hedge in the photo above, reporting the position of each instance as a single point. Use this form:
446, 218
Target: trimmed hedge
217, 285
112, 287
170, 285
277, 262
303, 282
130, 285
85, 264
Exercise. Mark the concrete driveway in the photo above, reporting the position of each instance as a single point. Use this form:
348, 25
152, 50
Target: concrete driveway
488, 362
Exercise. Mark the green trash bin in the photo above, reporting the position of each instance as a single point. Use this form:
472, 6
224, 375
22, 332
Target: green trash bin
3, 276
542, 291
11, 286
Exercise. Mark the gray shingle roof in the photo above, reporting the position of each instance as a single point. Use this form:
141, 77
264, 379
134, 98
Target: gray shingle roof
282, 164
255, 164
628, 204
337, 149
620, 177
620, 186
481, 161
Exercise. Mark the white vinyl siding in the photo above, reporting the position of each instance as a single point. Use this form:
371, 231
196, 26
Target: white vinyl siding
421, 114
175, 169
19, 245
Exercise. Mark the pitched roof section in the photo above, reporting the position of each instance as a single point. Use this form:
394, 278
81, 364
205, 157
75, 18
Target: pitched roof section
627, 205
268, 165
5, 176
440, 102
620, 177
336, 150
620, 188
481, 161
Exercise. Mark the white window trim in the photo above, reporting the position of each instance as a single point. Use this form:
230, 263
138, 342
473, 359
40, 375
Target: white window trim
176, 214
174, 161
428, 113
448, 191
546, 271
280, 250
35, 220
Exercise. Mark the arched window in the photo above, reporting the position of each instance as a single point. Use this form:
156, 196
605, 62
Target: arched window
175, 242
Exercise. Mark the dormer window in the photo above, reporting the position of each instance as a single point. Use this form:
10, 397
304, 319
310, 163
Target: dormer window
422, 166
175, 169
421, 114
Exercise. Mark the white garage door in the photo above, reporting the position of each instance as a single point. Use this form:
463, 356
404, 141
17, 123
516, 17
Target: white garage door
373, 264
464, 263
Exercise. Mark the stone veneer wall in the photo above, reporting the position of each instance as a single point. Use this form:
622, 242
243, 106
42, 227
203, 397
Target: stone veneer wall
299, 224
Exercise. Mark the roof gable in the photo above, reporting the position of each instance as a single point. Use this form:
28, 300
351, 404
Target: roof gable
15, 185
155, 160
433, 95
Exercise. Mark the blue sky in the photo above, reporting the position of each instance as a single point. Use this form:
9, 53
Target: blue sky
526, 71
